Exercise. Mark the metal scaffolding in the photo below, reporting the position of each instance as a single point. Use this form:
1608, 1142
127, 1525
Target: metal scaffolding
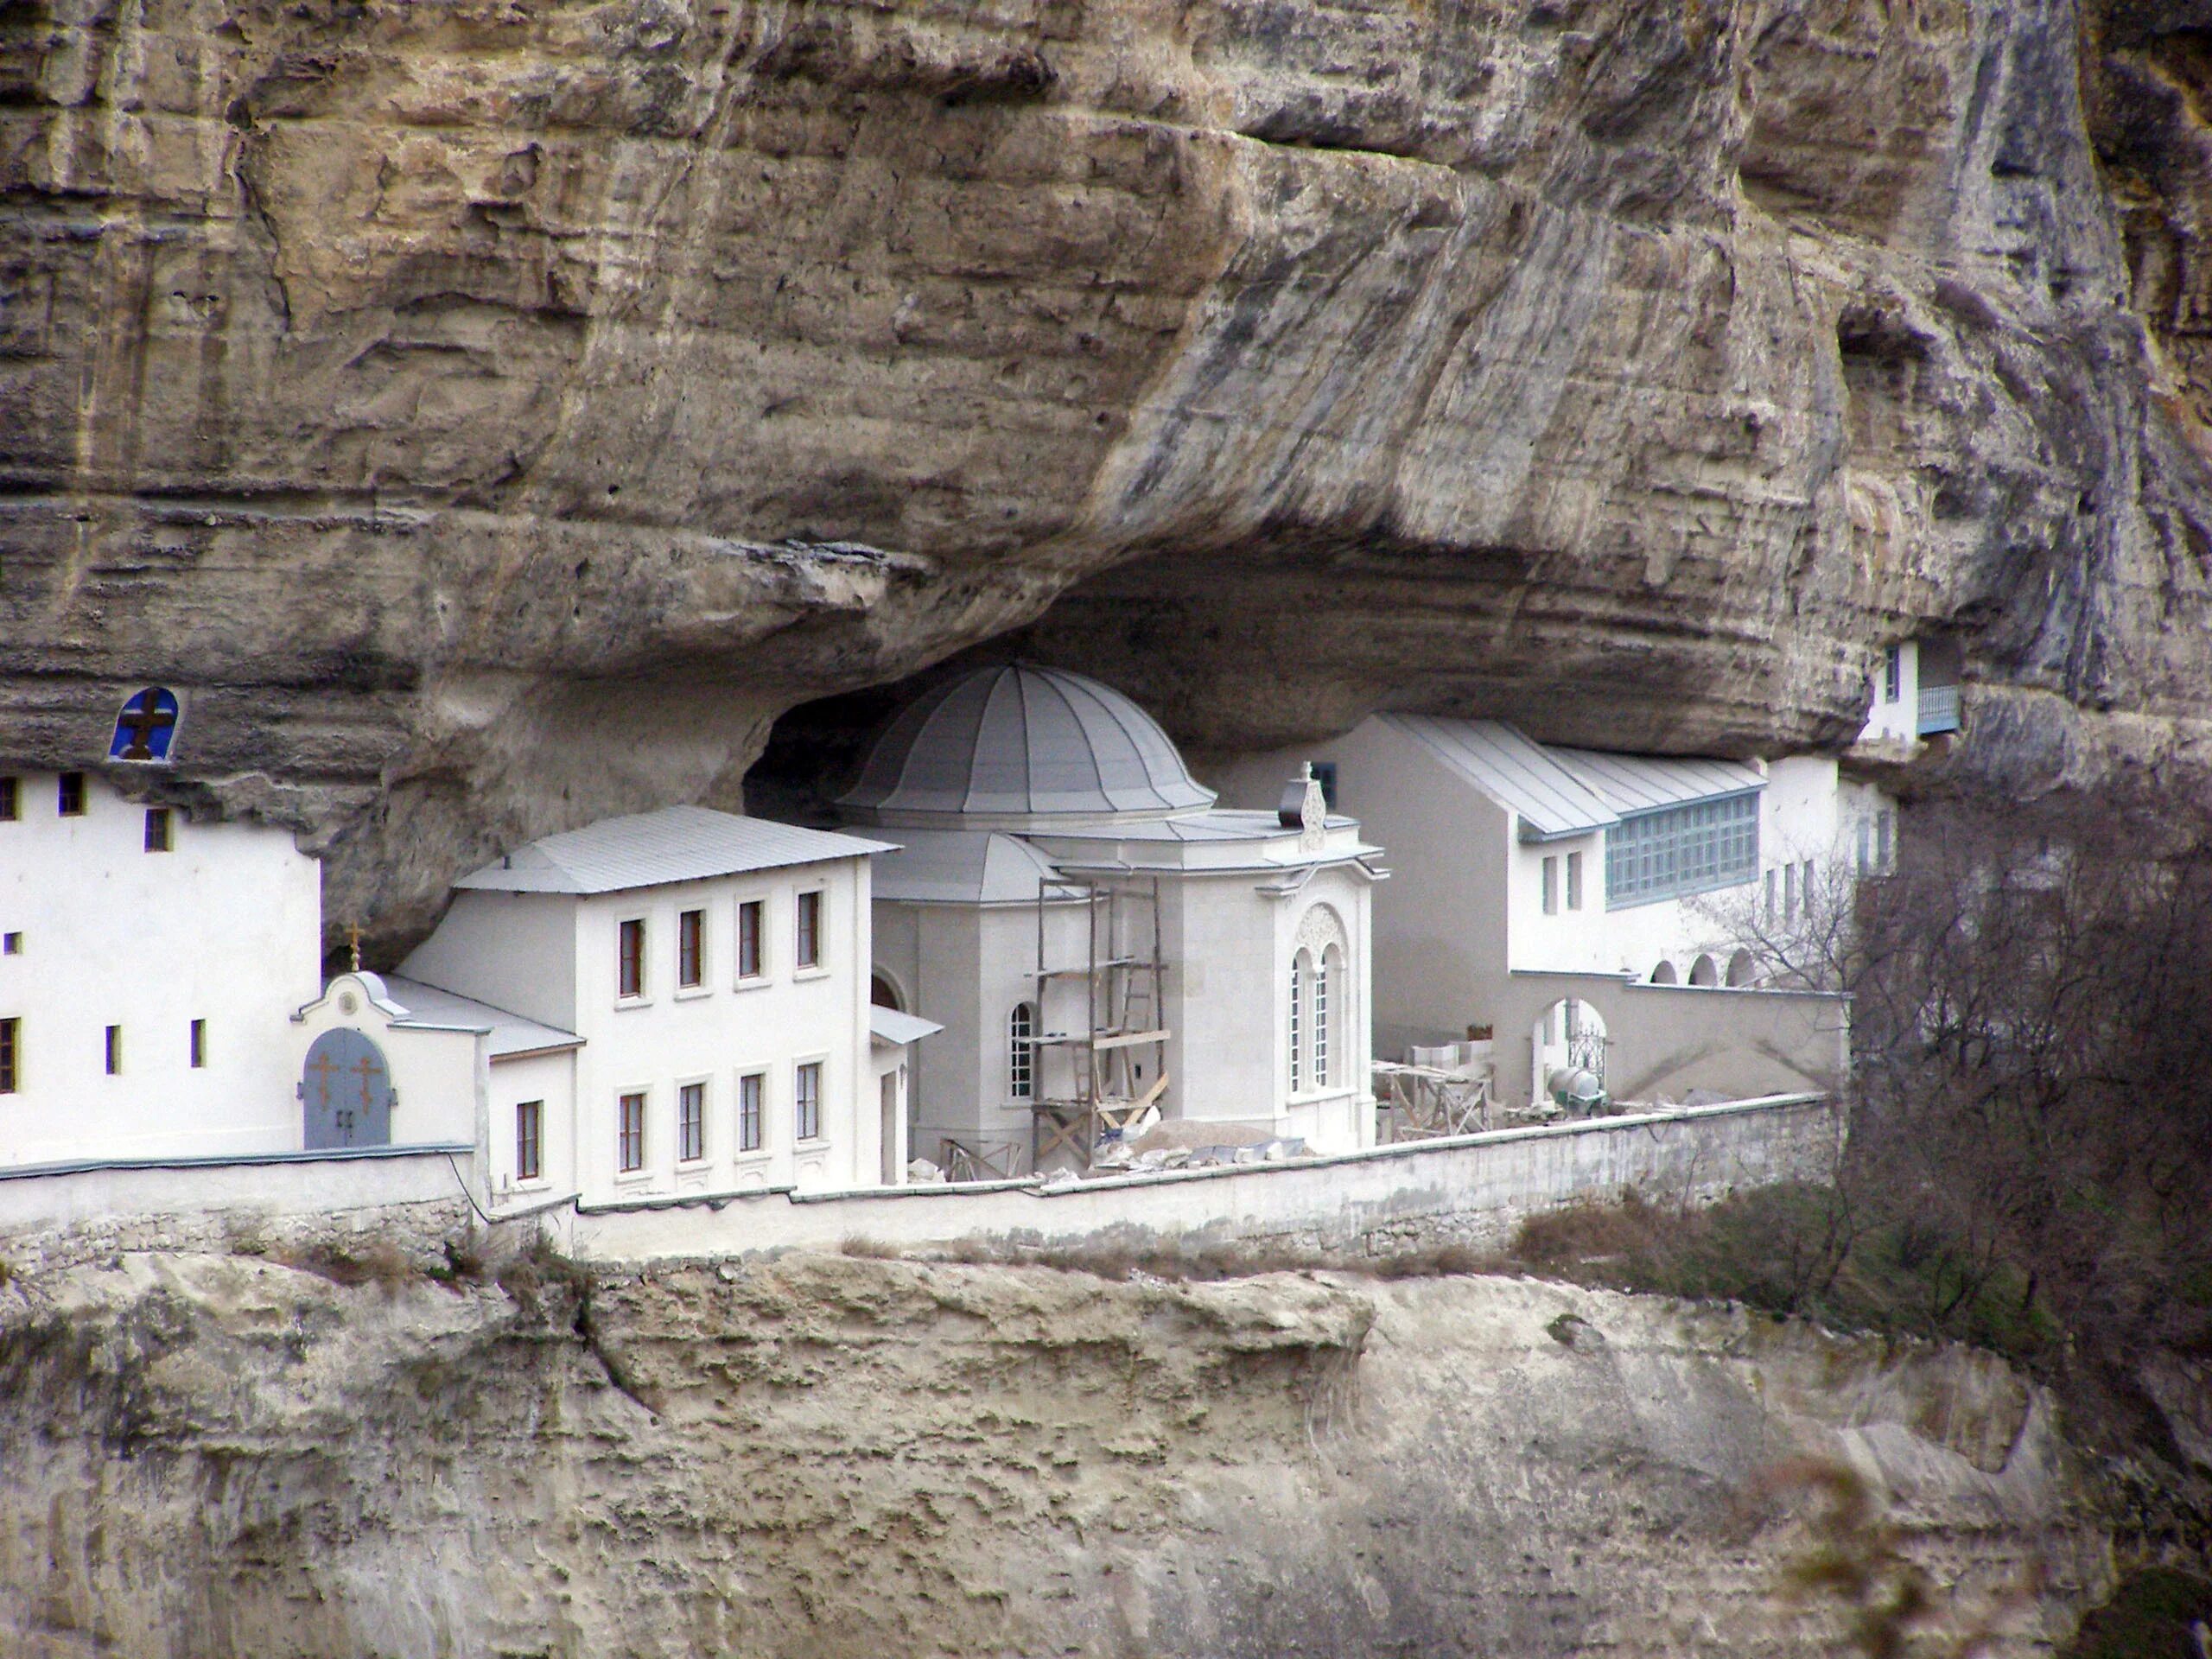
1119, 1037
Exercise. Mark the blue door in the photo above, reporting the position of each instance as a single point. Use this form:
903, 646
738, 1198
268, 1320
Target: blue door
346, 1092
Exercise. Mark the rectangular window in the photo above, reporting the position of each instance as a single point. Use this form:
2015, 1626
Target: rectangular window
1805, 889
69, 795
749, 1089
529, 1140
1893, 673
1679, 850
157, 828
1769, 895
1297, 1022
1574, 880
807, 1102
1321, 1024
1790, 893
810, 930
198, 1044
692, 1123
749, 939
1862, 846
1324, 773
10, 800
629, 969
11, 944
1551, 886
630, 1133
11, 1056
1885, 829
114, 1050
690, 948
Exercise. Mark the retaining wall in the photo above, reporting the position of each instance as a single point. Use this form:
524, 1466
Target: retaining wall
1475, 1189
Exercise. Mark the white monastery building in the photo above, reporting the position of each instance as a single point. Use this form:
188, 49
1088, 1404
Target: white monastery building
1098, 940
148, 964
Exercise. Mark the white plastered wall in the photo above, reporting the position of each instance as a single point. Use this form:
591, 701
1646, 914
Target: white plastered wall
226, 927
550, 1078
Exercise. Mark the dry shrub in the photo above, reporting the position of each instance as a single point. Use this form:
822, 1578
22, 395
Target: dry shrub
377, 1261
869, 1249
539, 1273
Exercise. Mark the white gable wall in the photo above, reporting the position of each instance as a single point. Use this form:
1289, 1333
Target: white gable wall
514, 950
226, 927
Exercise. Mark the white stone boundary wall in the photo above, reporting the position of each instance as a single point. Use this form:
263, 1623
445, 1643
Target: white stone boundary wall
1475, 1189
412, 1196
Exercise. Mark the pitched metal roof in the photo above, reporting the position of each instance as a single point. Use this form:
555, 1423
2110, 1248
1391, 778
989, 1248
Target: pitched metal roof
962, 866
1516, 771
678, 843
1632, 783
1013, 740
890, 1027
422, 1005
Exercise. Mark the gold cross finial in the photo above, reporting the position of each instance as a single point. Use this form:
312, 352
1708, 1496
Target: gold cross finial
353, 935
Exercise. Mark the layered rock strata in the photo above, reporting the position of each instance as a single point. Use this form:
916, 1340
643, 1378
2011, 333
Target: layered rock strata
492, 416
215, 1454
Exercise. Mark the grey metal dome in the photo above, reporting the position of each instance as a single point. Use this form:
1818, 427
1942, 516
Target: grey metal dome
1016, 747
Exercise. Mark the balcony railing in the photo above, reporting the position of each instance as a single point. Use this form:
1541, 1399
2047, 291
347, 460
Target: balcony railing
1939, 710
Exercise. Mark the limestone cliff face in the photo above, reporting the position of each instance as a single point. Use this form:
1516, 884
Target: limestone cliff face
495, 415
213, 1455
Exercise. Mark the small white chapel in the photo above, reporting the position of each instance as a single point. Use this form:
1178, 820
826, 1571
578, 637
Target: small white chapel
1100, 943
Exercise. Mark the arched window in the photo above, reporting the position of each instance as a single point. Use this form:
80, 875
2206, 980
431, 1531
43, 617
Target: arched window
883, 994
1705, 971
1742, 969
1022, 1052
1664, 974
1326, 980
1300, 970
146, 727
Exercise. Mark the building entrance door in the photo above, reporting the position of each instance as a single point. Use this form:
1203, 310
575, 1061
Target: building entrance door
345, 1093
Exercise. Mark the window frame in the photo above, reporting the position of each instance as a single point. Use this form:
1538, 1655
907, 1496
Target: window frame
196, 1045
1574, 880
758, 905
111, 1050
11, 798
1300, 973
530, 1139
1679, 851
624, 1136
72, 799
161, 830
757, 1145
627, 961
1548, 883
11, 1054
818, 1067
691, 951
693, 1089
1322, 975
802, 966
1022, 1051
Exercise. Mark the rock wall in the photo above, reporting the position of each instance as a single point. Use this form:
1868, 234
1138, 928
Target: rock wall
493, 417
824, 1456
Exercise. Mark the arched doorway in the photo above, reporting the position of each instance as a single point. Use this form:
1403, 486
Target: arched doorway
1705, 971
1569, 1053
345, 1093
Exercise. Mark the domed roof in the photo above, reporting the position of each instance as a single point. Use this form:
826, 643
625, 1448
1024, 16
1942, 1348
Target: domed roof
1015, 745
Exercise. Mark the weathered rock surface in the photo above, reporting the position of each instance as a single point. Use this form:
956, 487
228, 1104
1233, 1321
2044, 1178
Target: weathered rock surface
495, 415
215, 1455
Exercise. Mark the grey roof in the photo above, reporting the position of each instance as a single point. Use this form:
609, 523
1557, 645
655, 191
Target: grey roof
1643, 782
1223, 823
892, 1027
962, 866
1017, 742
678, 843
1516, 771
422, 1005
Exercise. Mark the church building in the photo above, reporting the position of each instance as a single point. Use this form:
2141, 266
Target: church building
1101, 943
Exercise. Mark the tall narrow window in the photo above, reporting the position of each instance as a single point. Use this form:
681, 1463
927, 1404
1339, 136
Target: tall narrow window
1574, 880
10, 800
630, 1133
810, 930
157, 828
11, 1056
749, 939
1805, 888
1551, 886
69, 795
529, 1140
1884, 839
11, 944
114, 1050
1790, 893
198, 1044
1893, 673
630, 971
750, 1087
807, 1102
1863, 828
1324, 973
1297, 1022
1769, 895
1022, 1052
690, 948
692, 1123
